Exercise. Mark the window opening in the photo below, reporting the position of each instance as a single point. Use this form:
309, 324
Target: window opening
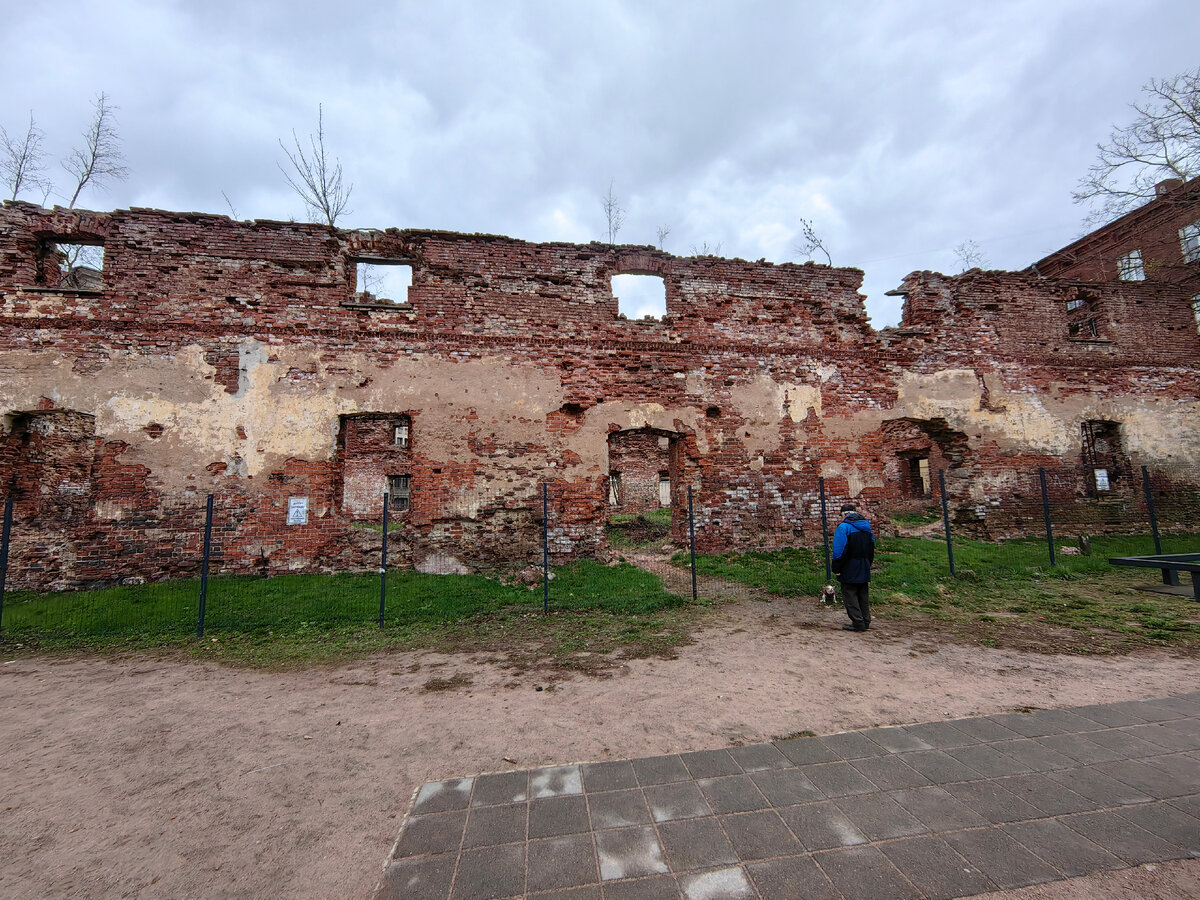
1076, 303
400, 435
1189, 242
74, 266
640, 296
399, 489
614, 488
918, 473
1196, 310
1083, 330
381, 281
664, 488
1130, 267
1103, 454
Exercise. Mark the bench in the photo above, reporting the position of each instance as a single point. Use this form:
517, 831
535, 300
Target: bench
1171, 564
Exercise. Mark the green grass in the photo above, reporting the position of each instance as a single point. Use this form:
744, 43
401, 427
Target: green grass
293, 619
631, 531
923, 517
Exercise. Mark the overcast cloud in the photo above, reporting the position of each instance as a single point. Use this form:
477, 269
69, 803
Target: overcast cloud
900, 129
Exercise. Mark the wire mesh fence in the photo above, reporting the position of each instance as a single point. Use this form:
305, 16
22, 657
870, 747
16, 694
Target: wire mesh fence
212, 568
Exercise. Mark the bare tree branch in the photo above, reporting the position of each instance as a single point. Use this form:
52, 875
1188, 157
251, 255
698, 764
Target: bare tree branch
229, 203
705, 249
21, 161
317, 177
970, 255
810, 242
613, 213
1163, 141
99, 159
663, 231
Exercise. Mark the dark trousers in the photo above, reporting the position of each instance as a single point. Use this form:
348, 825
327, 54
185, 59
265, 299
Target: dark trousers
858, 604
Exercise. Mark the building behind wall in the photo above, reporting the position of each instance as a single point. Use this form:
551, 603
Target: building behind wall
246, 359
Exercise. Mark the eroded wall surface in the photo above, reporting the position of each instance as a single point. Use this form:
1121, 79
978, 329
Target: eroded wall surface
240, 359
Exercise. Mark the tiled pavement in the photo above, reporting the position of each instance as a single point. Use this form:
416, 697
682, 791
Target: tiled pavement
945, 809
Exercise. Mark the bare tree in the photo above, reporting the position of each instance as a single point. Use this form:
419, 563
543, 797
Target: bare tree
1163, 141
100, 158
229, 203
810, 242
317, 177
706, 249
970, 255
22, 161
614, 214
663, 231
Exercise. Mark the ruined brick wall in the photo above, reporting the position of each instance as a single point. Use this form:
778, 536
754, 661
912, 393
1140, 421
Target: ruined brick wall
240, 359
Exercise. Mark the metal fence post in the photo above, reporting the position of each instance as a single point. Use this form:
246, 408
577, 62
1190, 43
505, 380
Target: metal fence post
692, 541
545, 549
946, 521
208, 516
1150, 509
383, 559
5, 533
825, 531
1046, 512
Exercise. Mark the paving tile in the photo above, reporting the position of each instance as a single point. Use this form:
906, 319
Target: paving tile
490, 873
710, 764
1037, 756
821, 826
555, 781
1190, 805
657, 887
1152, 712
1051, 797
562, 862
502, 787
758, 757
436, 833
760, 835
1068, 851
806, 751
988, 761
629, 853
1110, 715
608, 776
616, 809
880, 817
1066, 721
588, 892
938, 809
1168, 823
441, 796
1148, 779
786, 787
1122, 838
428, 876
1184, 704
728, 884
791, 878
941, 735
864, 872
695, 844
1079, 748
889, 773
895, 739
558, 816
676, 801
852, 745
1027, 724
838, 779
984, 729
993, 802
939, 767
935, 868
1183, 767
1005, 862
1168, 735
1097, 787
731, 794
660, 770
1120, 741
490, 825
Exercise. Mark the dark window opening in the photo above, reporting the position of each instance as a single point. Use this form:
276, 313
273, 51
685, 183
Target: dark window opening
614, 488
399, 490
382, 281
1083, 330
919, 484
713, 412
1103, 455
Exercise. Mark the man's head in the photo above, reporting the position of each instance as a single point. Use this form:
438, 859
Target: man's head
849, 508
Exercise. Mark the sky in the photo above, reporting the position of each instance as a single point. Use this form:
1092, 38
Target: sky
900, 130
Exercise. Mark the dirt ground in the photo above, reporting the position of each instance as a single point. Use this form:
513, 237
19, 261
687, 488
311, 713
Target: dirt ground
148, 777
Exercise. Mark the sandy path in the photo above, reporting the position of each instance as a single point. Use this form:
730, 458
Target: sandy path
144, 778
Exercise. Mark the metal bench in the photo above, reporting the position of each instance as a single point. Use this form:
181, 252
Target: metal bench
1171, 564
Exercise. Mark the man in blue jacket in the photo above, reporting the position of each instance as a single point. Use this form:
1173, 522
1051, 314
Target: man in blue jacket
853, 553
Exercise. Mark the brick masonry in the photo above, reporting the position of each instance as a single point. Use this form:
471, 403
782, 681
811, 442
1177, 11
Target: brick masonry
238, 358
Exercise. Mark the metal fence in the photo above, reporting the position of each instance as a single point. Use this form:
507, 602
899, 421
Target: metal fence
1028, 520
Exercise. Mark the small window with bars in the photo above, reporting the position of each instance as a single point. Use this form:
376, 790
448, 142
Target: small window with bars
400, 434
1189, 242
1130, 267
399, 491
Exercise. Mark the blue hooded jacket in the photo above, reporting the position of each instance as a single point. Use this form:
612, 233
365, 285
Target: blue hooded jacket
853, 550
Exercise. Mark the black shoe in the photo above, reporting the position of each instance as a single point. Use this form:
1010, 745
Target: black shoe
852, 628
